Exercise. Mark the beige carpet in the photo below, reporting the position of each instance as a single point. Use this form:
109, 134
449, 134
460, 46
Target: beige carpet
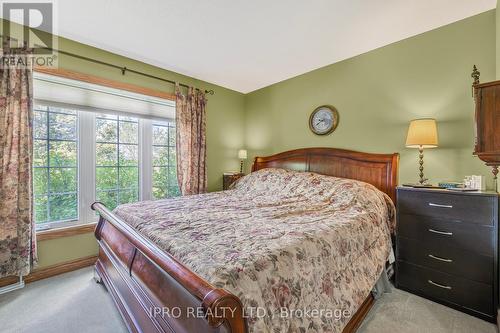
400, 311
74, 303
68, 303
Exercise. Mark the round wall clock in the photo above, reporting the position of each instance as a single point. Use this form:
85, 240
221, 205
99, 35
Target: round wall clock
324, 120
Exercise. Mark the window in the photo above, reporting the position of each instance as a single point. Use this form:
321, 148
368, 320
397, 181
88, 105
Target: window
82, 156
164, 161
55, 164
117, 159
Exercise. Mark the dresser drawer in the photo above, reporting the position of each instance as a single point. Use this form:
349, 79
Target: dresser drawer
471, 208
445, 287
447, 259
479, 239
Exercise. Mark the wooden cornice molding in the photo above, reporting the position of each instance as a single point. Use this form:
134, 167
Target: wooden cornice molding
49, 271
69, 74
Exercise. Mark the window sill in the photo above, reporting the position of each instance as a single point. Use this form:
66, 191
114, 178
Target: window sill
80, 229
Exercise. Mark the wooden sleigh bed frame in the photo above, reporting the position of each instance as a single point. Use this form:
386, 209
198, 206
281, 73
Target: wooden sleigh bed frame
145, 281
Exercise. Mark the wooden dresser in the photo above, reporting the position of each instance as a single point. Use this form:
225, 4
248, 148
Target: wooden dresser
447, 250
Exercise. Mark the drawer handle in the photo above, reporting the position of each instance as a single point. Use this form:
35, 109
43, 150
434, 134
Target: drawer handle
439, 258
438, 285
440, 206
441, 232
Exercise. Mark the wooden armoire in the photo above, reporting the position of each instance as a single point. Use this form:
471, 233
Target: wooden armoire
487, 122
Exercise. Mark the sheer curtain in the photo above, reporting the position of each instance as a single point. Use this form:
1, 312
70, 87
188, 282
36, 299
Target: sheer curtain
191, 141
17, 230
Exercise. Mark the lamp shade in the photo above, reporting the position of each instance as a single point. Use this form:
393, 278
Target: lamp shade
242, 154
422, 133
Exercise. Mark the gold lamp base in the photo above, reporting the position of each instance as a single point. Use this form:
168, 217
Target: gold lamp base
422, 181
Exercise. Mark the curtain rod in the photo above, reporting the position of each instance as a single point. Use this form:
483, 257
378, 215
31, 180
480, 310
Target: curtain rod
123, 69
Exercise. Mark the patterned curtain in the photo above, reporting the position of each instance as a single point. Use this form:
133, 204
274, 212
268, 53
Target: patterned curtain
191, 142
17, 229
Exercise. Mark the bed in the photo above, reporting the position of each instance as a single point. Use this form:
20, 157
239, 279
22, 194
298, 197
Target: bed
199, 264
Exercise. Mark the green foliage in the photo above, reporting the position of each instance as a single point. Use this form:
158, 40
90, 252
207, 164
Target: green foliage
160, 155
40, 155
165, 182
108, 198
40, 207
63, 180
172, 156
106, 154
119, 182
40, 125
63, 207
106, 178
40, 181
106, 130
129, 155
160, 135
128, 132
62, 126
127, 196
129, 177
164, 162
55, 164
63, 153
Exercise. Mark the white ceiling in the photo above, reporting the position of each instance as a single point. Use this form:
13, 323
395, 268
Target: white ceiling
249, 44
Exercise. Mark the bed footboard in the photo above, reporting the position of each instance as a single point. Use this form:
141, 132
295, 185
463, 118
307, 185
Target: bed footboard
153, 291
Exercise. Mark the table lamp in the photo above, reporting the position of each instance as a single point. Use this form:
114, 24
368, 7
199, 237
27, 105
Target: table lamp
242, 155
422, 133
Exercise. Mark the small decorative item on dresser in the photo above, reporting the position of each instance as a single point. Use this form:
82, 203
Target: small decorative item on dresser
451, 185
228, 178
475, 182
447, 248
242, 155
422, 133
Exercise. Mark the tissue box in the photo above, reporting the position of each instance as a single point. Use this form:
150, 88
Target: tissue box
478, 182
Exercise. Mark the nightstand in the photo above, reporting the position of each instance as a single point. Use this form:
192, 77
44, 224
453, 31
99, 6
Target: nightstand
229, 178
447, 248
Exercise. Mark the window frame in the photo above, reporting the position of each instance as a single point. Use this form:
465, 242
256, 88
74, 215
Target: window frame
168, 166
118, 166
86, 157
68, 222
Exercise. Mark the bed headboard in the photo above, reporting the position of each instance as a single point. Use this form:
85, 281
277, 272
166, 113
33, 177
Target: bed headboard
380, 170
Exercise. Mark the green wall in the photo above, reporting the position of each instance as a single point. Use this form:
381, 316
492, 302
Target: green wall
497, 15
379, 92
225, 132
63, 249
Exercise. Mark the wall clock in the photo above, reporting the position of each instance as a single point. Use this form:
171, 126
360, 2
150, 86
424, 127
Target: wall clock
324, 120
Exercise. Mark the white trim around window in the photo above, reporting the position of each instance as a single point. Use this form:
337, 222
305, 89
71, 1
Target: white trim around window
86, 183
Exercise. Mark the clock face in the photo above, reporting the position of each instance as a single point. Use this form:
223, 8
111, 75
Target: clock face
323, 120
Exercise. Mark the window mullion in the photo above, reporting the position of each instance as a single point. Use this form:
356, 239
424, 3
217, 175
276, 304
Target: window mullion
86, 170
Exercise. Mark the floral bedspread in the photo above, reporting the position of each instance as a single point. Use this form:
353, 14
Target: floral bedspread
301, 250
